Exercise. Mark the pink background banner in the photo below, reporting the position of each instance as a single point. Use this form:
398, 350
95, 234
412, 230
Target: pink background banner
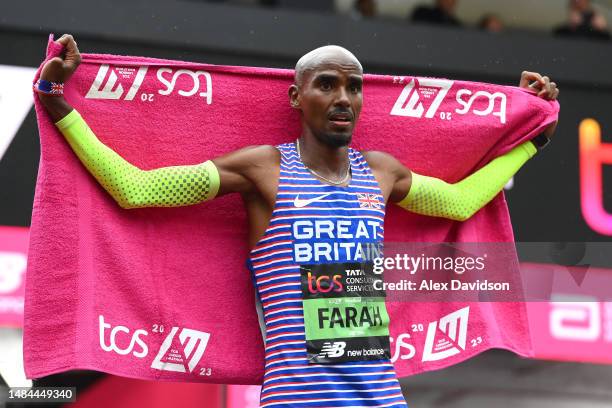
577, 324
243, 396
13, 260
579, 330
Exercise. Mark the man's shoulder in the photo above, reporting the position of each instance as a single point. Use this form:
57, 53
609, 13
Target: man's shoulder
250, 159
376, 155
260, 153
378, 160
263, 149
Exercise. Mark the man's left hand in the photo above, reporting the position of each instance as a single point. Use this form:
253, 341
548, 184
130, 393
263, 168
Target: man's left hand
545, 88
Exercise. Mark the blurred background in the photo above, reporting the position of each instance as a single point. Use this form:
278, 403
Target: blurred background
481, 40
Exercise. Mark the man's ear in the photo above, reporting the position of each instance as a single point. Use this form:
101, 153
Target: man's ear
294, 97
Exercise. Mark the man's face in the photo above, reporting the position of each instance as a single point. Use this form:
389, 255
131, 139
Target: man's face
330, 99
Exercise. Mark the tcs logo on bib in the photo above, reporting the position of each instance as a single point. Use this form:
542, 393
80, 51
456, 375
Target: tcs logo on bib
324, 283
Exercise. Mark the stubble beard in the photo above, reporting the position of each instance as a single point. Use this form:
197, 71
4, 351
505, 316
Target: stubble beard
335, 140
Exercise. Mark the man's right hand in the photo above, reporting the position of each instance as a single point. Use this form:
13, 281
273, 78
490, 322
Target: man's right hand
60, 69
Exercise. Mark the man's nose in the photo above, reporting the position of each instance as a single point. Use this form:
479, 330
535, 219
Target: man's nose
342, 98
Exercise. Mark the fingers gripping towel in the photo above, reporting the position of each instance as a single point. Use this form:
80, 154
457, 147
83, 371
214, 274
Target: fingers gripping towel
164, 293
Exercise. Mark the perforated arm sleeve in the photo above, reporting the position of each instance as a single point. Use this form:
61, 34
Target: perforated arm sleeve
132, 187
459, 201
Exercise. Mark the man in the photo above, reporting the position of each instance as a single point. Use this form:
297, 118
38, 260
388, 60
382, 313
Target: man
307, 224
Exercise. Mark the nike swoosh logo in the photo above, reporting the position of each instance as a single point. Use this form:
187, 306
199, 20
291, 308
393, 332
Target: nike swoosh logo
303, 203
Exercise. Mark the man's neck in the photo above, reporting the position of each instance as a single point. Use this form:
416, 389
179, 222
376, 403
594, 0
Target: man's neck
329, 161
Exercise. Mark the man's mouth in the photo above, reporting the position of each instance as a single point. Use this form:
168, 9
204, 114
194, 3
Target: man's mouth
341, 119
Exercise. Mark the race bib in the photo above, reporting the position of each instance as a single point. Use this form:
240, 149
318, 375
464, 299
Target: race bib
344, 313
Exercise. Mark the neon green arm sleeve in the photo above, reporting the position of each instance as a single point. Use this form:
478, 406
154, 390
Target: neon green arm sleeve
459, 201
132, 187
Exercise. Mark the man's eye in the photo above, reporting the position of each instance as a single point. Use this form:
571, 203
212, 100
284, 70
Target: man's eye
326, 86
355, 88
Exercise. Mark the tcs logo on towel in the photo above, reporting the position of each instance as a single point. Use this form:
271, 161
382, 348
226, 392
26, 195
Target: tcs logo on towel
424, 97
124, 83
179, 353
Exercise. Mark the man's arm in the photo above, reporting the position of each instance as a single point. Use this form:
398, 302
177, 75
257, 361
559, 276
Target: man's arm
435, 197
459, 201
130, 186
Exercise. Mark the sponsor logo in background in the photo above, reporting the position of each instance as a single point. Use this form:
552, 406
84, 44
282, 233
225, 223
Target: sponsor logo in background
15, 101
12, 267
578, 320
593, 155
447, 337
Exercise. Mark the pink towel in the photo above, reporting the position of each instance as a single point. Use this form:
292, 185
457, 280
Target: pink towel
165, 293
